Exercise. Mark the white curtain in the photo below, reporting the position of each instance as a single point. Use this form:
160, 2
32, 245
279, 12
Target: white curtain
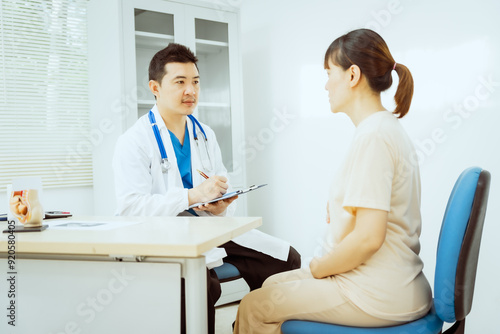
44, 92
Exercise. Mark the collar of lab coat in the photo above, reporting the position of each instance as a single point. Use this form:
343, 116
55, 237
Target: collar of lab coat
175, 177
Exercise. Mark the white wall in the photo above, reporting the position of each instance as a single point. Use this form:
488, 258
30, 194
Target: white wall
451, 47
108, 103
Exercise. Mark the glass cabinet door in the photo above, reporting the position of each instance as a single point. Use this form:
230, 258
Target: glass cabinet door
148, 27
153, 32
214, 107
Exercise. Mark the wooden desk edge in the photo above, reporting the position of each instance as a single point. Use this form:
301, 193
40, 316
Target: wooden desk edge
157, 250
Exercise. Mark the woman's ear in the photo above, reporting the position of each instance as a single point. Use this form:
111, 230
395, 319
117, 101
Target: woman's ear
355, 75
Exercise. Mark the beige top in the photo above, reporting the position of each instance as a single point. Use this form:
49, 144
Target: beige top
381, 172
152, 236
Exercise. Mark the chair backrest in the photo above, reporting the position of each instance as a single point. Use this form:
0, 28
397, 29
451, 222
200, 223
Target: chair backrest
458, 246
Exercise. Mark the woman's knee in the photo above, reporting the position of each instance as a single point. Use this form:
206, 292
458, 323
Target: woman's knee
257, 308
272, 280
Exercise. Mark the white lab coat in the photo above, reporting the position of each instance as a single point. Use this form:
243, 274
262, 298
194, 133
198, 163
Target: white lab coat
143, 190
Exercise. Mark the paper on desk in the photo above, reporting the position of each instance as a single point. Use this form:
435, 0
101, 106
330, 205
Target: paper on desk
213, 257
86, 225
264, 243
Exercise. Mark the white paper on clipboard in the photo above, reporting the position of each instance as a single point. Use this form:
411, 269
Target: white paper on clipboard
229, 195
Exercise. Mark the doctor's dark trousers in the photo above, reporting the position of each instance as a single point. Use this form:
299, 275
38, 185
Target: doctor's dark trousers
255, 267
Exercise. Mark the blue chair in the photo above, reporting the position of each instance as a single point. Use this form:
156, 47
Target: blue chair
233, 286
456, 265
227, 272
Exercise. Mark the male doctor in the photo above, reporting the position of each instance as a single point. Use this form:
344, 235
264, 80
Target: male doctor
146, 186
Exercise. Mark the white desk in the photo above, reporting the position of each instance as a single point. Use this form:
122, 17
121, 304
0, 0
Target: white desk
155, 251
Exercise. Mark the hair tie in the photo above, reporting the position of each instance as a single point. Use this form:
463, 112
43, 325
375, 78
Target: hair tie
394, 67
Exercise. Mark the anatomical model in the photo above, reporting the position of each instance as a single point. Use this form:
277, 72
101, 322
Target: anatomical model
26, 207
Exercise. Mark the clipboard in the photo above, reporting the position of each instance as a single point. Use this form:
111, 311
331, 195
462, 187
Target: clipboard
229, 195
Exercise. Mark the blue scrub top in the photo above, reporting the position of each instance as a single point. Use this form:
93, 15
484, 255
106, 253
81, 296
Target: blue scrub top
183, 155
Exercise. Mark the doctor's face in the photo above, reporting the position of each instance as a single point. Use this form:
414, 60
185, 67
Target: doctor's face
337, 87
179, 89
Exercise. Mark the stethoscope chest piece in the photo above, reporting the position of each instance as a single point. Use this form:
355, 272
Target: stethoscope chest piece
165, 165
204, 156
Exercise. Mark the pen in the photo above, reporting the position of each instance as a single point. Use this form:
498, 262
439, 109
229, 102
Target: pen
202, 174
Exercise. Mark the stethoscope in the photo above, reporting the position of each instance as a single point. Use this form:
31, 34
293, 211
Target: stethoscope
204, 156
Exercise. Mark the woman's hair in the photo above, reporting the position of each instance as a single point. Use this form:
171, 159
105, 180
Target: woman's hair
366, 49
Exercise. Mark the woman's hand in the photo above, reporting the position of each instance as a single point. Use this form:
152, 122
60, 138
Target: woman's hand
357, 247
313, 266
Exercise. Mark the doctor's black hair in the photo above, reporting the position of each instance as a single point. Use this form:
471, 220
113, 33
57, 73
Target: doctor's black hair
368, 50
173, 53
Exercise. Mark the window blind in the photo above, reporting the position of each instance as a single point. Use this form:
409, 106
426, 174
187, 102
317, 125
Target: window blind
44, 99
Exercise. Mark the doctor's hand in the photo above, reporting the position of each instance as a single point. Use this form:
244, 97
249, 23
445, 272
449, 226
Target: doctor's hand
213, 187
218, 207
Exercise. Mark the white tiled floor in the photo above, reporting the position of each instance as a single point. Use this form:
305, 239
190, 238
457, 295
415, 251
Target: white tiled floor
224, 317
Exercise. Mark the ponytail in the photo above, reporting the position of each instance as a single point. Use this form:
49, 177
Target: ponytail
404, 92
